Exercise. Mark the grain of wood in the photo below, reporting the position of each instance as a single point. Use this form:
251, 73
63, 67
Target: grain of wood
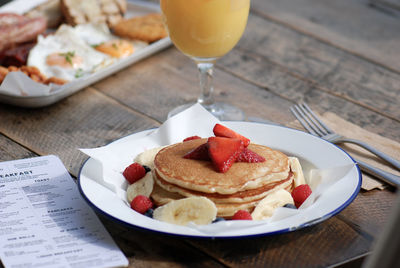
9, 150
85, 120
148, 249
333, 70
257, 69
369, 212
354, 26
332, 239
176, 83
392, 7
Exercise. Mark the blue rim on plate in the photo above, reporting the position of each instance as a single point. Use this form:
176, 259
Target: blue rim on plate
255, 131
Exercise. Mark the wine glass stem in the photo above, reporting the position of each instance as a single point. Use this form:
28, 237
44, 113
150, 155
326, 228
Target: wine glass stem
206, 83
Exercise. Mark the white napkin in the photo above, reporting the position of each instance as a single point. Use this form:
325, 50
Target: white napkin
19, 84
115, 157
112, 159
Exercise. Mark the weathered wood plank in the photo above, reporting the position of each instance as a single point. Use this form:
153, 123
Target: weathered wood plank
141, 248
176, 83
87, 119
368, 213
334, 241
259, 70
158, 84
9, 150
330, 69
391, 6
148, 249
354, 25
347, 235
176, 80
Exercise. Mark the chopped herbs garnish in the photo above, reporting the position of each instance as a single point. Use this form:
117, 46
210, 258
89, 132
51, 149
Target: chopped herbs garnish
96, 45
114, 45
68, 56
79, 73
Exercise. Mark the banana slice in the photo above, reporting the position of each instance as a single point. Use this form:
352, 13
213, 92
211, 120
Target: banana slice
199, 210
297, 171
144, 186
266, 207
147, 157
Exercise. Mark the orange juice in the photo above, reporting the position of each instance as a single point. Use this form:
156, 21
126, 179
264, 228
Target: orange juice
205, 28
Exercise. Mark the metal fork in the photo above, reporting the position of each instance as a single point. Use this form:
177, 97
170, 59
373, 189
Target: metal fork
317, 127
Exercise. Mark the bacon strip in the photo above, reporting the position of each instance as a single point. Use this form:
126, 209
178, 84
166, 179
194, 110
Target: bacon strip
21, 31
10, 19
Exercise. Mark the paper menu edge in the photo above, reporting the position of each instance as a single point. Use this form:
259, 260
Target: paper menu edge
33, 157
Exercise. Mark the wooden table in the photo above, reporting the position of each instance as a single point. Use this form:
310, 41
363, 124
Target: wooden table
339, 56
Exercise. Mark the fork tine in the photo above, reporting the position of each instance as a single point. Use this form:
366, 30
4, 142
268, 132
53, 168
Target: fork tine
320, 122
302, 119
311, 121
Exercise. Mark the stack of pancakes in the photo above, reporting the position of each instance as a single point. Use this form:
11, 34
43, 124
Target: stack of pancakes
241, 187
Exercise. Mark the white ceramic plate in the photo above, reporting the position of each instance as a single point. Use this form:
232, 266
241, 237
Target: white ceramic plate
134, 8
311, 151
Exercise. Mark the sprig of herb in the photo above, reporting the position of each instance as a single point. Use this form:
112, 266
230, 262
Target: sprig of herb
96, 45
79, 73
68, 56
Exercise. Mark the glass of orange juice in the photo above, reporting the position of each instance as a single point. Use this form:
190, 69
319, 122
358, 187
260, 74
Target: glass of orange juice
205, 30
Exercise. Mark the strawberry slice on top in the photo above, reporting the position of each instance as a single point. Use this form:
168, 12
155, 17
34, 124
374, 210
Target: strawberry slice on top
223, 131
224, 152
192, 138
198, 153
249, 156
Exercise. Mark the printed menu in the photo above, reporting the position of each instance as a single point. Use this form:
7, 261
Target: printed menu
44, 221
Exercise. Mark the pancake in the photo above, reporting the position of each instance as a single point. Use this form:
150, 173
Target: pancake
226, 210
200, 176
238, 197
162, 197
242, 187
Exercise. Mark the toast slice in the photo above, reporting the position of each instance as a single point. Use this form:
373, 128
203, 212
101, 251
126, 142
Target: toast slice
93, 11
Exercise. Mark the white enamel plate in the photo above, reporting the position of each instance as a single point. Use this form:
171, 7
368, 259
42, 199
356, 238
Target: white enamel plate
312, 152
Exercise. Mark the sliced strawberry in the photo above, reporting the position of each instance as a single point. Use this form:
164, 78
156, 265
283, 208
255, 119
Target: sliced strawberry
249, 156
192, 138
223, 131
224, 152
198, 153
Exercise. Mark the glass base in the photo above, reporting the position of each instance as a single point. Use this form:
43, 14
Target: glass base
222, 111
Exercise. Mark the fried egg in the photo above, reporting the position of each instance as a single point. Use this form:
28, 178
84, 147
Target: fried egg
100, 38
74, 52
65, 55
117, 48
